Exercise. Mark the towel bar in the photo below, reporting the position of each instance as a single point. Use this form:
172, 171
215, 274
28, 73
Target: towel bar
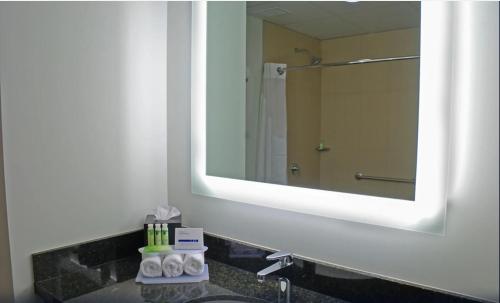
360, 176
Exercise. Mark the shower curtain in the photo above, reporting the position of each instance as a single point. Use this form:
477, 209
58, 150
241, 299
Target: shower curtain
272, 130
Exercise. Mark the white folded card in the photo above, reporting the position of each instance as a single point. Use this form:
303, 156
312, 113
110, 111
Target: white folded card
189, 238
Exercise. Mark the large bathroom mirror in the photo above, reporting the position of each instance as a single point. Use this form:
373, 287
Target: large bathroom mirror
333, 109
316, 94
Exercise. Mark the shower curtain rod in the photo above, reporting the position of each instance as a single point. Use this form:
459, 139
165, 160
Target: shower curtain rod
281, 70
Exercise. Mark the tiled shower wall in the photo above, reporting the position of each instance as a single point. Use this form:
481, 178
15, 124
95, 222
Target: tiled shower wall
367, 114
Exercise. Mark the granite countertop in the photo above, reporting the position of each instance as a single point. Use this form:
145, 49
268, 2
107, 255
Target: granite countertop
115, 282
104, 270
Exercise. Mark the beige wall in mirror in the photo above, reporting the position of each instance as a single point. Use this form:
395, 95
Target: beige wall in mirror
341, 119
369, 113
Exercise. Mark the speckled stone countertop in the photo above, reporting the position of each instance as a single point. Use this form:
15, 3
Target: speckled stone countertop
104, 270
104, 284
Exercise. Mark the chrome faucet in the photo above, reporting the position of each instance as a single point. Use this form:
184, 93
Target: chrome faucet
285, 259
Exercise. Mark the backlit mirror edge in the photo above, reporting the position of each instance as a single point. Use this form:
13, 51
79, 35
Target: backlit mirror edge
428, 212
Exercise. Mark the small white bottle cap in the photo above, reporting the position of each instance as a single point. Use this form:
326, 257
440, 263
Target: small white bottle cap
150, 226
157, 226
164, 226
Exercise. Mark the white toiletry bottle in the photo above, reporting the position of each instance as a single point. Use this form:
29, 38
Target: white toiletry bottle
157, 234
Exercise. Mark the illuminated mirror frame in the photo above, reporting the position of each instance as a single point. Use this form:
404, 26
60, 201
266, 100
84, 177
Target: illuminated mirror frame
426, 214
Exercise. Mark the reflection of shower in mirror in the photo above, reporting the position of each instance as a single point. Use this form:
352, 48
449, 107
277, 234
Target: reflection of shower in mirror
335, 97
315, 60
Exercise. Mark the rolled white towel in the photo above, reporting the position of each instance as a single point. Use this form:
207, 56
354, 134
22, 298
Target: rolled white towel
151, 267
173, 265
194, 264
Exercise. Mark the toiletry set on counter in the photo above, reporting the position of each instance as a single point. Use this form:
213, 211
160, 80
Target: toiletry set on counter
162, 263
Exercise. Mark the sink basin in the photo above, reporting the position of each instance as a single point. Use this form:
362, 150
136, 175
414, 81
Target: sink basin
227, 299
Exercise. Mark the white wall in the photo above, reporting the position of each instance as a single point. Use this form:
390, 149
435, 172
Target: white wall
255, 65
84, 122
226, 89
6, 290
465, 260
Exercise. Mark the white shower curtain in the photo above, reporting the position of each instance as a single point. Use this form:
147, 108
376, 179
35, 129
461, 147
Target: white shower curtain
271, 139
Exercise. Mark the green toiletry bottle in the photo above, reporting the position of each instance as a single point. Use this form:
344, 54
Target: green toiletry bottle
151, 235
158, 234
164, 234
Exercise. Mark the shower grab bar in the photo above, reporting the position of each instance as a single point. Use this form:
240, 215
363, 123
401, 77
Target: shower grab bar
360, 176
281, 70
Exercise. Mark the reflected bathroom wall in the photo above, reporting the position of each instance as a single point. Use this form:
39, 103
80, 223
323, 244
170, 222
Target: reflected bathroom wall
369, 113
226, 32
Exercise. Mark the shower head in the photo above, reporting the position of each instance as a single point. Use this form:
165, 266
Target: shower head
314, 60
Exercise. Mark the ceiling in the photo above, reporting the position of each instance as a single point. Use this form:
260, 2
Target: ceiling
332, 19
